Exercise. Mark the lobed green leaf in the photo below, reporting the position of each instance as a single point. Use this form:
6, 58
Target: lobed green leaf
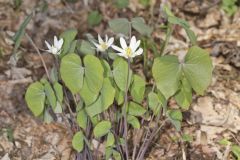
78, 141
35, 98
101, 129
72, 72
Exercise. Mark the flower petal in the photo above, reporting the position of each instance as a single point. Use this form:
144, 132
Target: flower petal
122, 55
59, 44
110, 42
123, 43
55, 42
138, 52
132, 42
106, 38
95, 44
48, 45
117, 48
136, 45
100, 40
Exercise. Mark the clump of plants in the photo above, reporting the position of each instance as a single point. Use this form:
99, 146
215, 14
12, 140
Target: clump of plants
111, 104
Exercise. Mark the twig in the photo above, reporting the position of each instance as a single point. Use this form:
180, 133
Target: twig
38, 52
17, 81
183, 151
227, 151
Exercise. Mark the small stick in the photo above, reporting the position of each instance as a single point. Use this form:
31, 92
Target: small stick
38, 52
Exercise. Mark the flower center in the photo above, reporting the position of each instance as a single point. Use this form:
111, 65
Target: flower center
54, 50
128, 51
104, 46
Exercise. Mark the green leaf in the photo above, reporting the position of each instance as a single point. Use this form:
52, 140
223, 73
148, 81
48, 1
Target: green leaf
21, 31
236, 151
72, 46
58, 108
104, 101
154, 102
95, 120
135, 109
54, 74
93, 73
107, 93
166, 73
72, 72
108, 152
107, 68
82, 119
191, 36
35, 98
178, 21
86, 48
187, 138
59, 91
229, 2
120, 25
47, 118
50, 95
167, 11
95, 108
119, 96
198, 69
87, 95
175, 114
122, 3
184, 96
133, 121
68, 37
139, 25
78, 141
101, 129
120, 72
117, 155
138, 88
175, 117
229, 6
110, 140
224, 142
145, 3
17, 4
94, 18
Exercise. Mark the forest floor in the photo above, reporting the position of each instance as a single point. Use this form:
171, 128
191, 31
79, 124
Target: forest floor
211, 117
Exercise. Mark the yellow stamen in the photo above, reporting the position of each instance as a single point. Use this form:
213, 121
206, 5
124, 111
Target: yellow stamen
128, 51
104, 46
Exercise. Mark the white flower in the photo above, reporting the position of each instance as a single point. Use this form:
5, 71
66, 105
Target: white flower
103, 46
56, 47
129, 51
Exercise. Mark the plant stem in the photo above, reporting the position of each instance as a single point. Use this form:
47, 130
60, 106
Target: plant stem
145, 56
168, 34
125, 112
38, 52
153, 134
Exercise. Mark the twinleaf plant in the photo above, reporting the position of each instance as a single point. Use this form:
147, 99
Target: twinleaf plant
95, 88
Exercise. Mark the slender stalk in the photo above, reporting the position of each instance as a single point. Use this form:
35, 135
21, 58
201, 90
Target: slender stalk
153, 134
165, 43
125, 112
38, 52
145, 56
134, 151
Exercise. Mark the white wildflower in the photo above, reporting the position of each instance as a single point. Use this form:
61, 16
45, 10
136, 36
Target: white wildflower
102, 46
129, 51
56, 47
